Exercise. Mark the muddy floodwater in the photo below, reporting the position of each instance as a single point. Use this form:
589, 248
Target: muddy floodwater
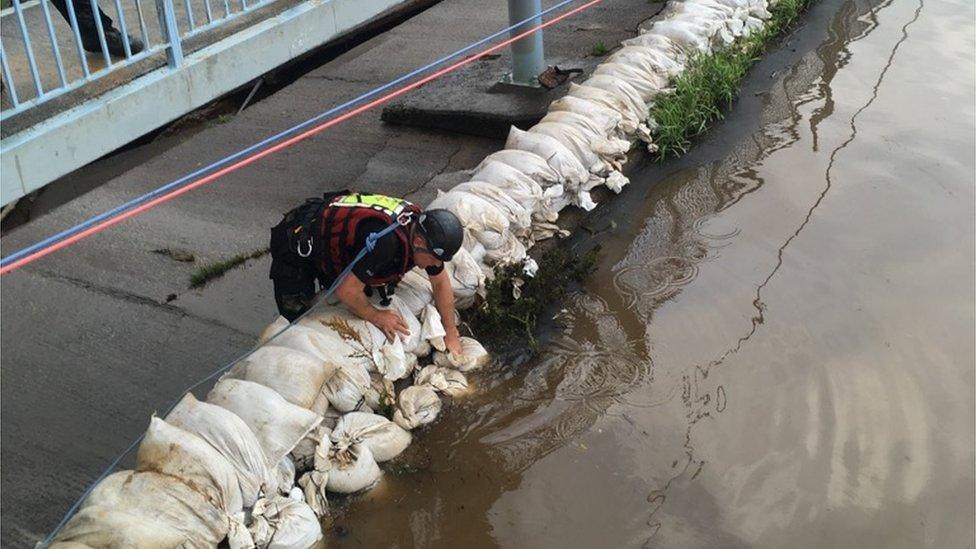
777, 347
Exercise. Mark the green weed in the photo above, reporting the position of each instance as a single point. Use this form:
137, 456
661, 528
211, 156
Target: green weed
204, 274
599, 49
710, 83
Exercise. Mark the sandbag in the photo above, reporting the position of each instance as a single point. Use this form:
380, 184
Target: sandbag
433, 327
416, 405
159, 506
232, 438
572, 172
482, 219
443, 380
609, 120
381, 393
531, 164
622, 91
285, 474
385, 439
649, 59
277, 424
647, 83
517, 185
414, 291
314, 483
352, 467
581, 142
519, 218
467, 281
284, 523
296, 376
473, 356
171, 451
357, 341
347, 387
632, 117
303, 454
413, 343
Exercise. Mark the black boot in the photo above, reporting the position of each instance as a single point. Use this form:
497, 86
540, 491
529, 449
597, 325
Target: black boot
113, 39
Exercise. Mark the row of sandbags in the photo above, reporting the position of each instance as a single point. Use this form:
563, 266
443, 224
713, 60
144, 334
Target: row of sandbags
298, 418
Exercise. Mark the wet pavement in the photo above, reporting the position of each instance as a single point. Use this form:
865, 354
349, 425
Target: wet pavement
777, 347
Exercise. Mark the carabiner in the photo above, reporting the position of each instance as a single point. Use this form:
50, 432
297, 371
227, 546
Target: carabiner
299, 248
404, 218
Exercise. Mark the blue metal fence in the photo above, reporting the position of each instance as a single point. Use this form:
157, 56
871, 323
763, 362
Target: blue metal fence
43, 58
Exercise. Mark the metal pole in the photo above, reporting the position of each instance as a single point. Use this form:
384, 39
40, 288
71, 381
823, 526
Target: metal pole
171, 32
527, 55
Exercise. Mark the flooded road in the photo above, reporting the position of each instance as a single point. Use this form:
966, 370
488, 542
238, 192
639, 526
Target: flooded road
777, 348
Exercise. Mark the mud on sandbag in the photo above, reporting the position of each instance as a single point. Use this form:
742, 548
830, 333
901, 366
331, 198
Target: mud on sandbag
416, 405
347, 387
277, 424
385, 439
443, 380
232, 438
303, 454
284, 523
179, 454
296, 376
132, 509
351, 467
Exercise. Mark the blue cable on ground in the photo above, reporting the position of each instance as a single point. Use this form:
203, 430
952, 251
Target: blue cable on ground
371, 241
264, 143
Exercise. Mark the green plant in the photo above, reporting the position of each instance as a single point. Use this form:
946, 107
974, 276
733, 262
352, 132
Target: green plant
710, 83
211, 271
599, 49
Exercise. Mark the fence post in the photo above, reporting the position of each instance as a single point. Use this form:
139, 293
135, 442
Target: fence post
171, 32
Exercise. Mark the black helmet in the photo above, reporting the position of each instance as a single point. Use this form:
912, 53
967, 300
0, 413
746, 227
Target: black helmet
443, 232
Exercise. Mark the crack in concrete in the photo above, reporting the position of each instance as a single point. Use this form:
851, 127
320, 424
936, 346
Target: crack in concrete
447, 164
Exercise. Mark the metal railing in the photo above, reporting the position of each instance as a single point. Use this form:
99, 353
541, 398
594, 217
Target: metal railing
43, 58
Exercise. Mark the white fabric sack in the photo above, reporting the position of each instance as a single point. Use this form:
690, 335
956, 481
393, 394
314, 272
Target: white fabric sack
355, 340
601, 139
229, 435
314, 484
622, 91
433, 327
467, 281
611, 121
351, 468
283, 523
171, 451
532, 165
303, 454
580, 142
572, 172
648, 59
646, 82
413, 343
519, 218
414, 291
285, 473
482, 219
164, 511
277, 424
685, 34
473, 356
443, 380
416, 405
381, 393
385, 439
296, 376
347, 386
631, 117
520, 187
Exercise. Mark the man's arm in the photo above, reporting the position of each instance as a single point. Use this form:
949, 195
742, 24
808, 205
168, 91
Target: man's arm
444, 301
350, 293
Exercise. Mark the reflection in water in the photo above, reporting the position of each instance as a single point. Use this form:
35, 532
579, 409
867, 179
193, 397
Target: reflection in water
612, 436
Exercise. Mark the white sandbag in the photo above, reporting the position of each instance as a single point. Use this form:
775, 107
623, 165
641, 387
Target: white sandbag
412, 343
416, 405
582, 142
483, 220
517, 185
689, 36
300, 337
171, 451
519, 218
632, 117
622, 91
160, 506
296, 376
283, 523
358, 341
473, 356
647, 83
611, 121
571, 170
285, 474
414, 291
467, 280
347, 387
531, 164
272, 330
351, 468
303, 454
433, 327
314, 484
443, 380
661, 44
385, 439
381, 393
648, 59
277, 424
232, 438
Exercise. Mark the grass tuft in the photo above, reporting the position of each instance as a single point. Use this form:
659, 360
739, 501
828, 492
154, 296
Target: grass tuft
710, 83
211, 271
599, 49
502, 319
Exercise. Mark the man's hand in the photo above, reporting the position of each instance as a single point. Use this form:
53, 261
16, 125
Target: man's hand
391, 323
453, 343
